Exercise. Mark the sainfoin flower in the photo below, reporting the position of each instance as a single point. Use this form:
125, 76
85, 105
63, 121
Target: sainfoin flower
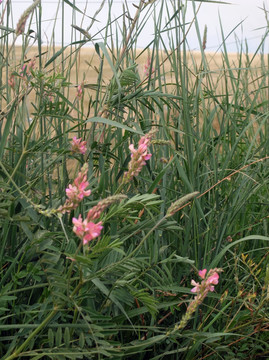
202, 273
86, 230
209, 280
76, 192
80, 91
78, 146
147, 67
139, 157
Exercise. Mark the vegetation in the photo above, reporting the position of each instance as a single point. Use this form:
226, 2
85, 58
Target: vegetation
101, 252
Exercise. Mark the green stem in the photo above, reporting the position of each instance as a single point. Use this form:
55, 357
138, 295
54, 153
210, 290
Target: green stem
34, 333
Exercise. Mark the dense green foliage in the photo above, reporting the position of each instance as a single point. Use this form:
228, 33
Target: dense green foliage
126, 290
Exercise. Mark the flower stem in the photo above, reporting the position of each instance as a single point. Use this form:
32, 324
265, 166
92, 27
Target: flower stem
32, 335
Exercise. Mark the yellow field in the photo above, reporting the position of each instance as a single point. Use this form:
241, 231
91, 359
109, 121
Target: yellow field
86, 66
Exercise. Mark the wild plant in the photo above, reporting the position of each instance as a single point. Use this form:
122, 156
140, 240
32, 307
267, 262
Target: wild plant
115, 190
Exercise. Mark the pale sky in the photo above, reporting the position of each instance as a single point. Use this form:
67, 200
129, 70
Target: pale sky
249, 11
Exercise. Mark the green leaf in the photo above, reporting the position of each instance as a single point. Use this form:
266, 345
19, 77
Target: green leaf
78, 10
138, 345
103, 48
160, 176
54, 57
113, 123
58, 337
51, 338
67, 337
4, 28
106, 291
81, 340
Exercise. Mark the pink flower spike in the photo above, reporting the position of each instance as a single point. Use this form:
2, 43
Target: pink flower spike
138, 157
80, 89
78, 146
202, 273
147, 67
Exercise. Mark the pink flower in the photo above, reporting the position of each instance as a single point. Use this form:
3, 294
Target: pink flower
92, 231
76, 192
147, 67
213, 279
78, 146
196, 286
86, 230
78, 226
207, 283
138, 157
80, 91
202, 273
201, 291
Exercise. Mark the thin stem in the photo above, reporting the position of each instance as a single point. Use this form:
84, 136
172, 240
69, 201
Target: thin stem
33, 334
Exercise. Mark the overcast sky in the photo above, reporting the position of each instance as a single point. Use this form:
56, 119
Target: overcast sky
249, 11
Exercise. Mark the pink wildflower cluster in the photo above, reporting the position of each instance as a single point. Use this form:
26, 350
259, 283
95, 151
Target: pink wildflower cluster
208, 282
201, 289
78, 146
76, 192
147, 67
138, 157
86, 230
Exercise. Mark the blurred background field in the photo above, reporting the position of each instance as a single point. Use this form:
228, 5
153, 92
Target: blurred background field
214, 70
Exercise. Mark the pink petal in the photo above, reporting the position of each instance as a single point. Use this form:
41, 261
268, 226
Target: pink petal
213, 279
202, 273
132, 149
196, 286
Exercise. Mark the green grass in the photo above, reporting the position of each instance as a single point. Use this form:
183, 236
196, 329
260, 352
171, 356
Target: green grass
127, 290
